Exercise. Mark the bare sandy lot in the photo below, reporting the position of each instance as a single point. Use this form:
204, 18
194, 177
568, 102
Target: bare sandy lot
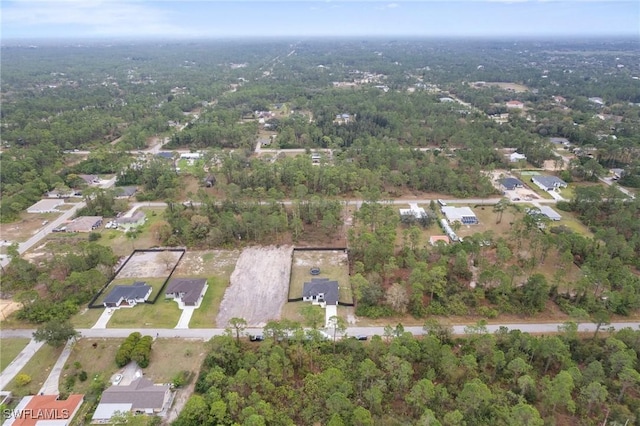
7, 307
259, 286
149, 264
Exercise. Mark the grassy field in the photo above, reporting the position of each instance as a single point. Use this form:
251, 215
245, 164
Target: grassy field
205, 315
10, 348
86, 318
163, 314
38, 369
171, 356
332, 265
96, 361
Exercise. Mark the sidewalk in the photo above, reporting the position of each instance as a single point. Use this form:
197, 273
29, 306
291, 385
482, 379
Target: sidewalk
19, 362
51, 385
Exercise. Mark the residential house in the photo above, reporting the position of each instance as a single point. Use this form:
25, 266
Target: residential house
550, 213
548, 183
189, 291
446, 99
515, 157
139, 397
41, 410
323, 292
316, 158
191, 155
343, 118
128, 295
413, 211
125, 191
439, 239
90, 179
464, 215
510, 183
46, 206
617, 173
515, 105
60, 194
560, 141
165, 154
131, 220
84, 224
596, 100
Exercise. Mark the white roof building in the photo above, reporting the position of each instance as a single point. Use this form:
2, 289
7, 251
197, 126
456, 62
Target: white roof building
515, 157
413, 210
463, 215
46, 206
550, 213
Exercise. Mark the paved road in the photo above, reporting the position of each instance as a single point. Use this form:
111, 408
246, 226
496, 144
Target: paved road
207, 333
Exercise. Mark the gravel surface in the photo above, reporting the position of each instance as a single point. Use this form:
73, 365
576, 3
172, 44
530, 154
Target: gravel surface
259, 286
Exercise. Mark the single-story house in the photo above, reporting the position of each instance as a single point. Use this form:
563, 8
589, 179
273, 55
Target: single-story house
413, 210
511, 183
125, 191
446, 99
209, 181
559, 141
191, 155
463, 215
84, 224
189, 291
132, 220
165, 154
316, 157
321, 291
90, 179
548, 183
45, 410
436, 239
128, 295
617, 173
515, 157
596, 100
139, 397
60, 194
550, 213
515, 104
46, 206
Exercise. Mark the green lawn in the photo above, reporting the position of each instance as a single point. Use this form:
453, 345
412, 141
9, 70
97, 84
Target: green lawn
330, 267
86, 318
38, 369
96, 361
205, 315
9, 349
163, 314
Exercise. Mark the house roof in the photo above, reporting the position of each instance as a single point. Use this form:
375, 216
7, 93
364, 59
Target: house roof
46, 205
433, 240
89, 178
137, 290
125, 191
322, 285
413, 210
141, 394
191, 287
559, 141
106, 411
134, 218
457, 213
36, 408
550, 213
84, 223
165, 154
511, 182
548, 181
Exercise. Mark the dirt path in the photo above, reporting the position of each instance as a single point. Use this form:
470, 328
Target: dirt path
259, 286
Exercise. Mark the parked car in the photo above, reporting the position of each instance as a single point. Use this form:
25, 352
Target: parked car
256, 337
117, 379
362, 337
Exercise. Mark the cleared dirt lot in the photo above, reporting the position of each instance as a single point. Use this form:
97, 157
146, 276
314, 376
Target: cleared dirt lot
150, 264
259, 286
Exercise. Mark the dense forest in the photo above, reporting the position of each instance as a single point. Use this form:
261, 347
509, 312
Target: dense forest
507, 378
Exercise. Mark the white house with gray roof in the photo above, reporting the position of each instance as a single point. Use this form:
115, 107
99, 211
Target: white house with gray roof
548, 183
139, 397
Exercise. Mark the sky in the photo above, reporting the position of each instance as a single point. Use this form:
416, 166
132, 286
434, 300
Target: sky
189, 19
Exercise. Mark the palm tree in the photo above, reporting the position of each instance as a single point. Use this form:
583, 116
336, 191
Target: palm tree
500, 207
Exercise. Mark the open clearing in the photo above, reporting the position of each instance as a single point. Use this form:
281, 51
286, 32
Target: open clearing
98, 360
10, 348
333, 264
149, 264
38, 368
205, 263
259, 286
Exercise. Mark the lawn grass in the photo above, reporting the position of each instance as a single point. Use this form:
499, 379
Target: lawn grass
205, 315
172, 356
123, 245
86, 318
9, 349
97, 361
331, 266
163, 314
38, 369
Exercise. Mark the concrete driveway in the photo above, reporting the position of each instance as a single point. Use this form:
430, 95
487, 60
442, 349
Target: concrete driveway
104, 318
185, 317
51, 386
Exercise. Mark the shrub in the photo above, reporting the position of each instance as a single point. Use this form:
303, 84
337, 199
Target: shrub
94, 236
82, 376
23, 379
